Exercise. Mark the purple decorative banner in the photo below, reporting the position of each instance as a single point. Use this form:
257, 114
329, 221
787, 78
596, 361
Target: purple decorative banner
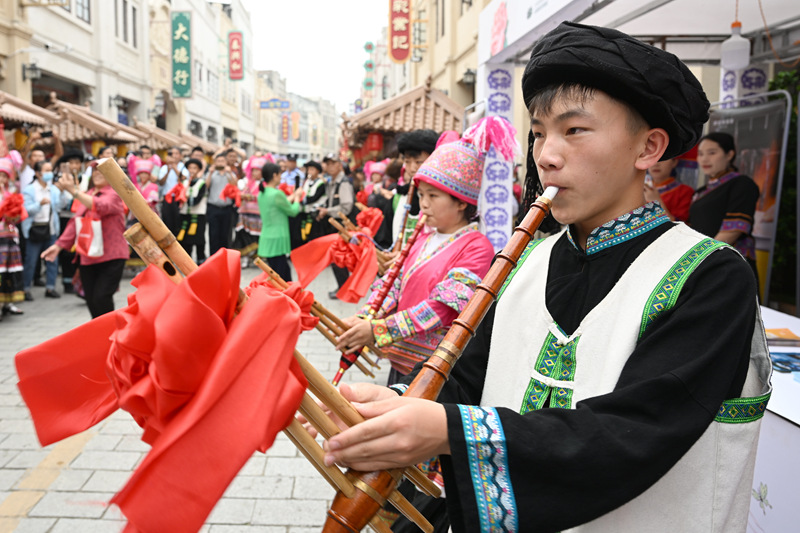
496, 202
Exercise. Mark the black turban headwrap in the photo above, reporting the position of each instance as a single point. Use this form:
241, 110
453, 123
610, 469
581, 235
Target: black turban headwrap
652, 81
417, 141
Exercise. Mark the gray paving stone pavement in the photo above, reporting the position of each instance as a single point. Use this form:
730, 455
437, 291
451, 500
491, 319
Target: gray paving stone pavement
276, 492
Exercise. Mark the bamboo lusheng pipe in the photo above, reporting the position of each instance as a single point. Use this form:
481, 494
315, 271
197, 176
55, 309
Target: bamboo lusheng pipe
343, 409
296, 433
391, 276
126, 190
350, 515
385, 288
147, 248
411, 190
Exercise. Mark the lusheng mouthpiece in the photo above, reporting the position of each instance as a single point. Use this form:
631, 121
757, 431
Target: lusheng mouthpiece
550, 192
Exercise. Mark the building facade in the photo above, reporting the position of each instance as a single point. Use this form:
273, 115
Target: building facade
86, 52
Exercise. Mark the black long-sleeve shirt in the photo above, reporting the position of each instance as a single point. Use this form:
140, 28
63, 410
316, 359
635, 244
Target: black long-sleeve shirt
568, 467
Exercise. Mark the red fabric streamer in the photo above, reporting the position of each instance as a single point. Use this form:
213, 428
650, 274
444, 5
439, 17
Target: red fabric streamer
232, 191
13, 208
369, 220
313, 257
362, 197
176, 194
208, 389
360, 259
286, 188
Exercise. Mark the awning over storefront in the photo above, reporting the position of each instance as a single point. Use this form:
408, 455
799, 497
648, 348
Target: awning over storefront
156, 138
421, 107
16, 112
192, 140
79, 123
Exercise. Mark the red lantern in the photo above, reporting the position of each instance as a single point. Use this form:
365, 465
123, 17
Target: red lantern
374, 142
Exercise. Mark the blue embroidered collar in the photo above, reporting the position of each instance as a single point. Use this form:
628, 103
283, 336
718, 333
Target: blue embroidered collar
630, 225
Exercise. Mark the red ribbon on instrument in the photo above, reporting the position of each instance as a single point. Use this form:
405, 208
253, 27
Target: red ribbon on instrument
176, 194
232, 191
313, 257
370, 219
12, 208
362, 197
208, 389
286, 188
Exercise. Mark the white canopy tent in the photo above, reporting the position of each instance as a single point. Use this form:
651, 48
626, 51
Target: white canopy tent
691, 29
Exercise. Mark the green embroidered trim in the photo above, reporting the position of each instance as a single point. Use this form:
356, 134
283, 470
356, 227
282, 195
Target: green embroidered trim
535, 397
381, 332
554, 361
666, 294
525, 253
742, 410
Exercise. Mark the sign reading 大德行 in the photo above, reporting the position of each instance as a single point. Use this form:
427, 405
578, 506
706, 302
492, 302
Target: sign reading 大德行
181, 35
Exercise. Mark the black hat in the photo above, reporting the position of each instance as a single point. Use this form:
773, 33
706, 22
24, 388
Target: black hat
69, 155
313, 164
193, 161
654, 82
331, 157
417, 141
291, 157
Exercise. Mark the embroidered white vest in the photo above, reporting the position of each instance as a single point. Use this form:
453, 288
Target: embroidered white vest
708, 490
200, 207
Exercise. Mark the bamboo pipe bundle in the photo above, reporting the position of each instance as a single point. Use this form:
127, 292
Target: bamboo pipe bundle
348, 515
328, 321
295, 432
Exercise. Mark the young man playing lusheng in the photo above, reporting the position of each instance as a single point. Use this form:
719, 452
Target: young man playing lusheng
619, 381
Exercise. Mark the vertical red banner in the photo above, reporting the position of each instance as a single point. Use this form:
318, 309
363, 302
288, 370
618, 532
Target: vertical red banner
235, 55
285, 128
400, 30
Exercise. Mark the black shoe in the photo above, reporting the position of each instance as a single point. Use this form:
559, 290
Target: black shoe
11, 309
28, 296
50, 293
68, 288
332, 295
38, 283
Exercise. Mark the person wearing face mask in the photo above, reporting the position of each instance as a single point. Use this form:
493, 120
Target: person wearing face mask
43, 200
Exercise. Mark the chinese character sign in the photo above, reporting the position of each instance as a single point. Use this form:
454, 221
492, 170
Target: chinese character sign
181, 54
295, 126
275, 103
399, 30
235, 55
285, 128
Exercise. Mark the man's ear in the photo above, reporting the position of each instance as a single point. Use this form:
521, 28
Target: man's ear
655, 144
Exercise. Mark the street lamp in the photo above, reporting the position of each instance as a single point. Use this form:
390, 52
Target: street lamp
116, 101
469, 77
31, 72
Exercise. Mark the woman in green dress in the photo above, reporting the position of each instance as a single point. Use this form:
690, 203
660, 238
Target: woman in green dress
274, 243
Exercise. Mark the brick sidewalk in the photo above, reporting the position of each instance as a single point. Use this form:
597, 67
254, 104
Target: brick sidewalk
65, 487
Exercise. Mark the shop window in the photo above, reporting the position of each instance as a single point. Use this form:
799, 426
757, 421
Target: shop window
133, 27
125, 20
83, 10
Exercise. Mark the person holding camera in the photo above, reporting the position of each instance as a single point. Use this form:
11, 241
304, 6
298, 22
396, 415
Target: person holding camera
43, 200
220, 211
